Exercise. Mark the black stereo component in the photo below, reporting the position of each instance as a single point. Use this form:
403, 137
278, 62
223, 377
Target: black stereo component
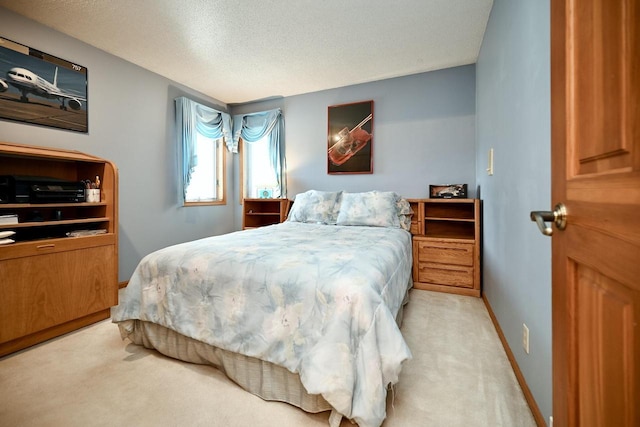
39, 189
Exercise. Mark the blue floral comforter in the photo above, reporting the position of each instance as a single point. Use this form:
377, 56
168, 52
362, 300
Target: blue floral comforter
319, 300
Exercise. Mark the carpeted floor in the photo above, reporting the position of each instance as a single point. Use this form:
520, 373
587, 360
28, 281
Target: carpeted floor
459, 376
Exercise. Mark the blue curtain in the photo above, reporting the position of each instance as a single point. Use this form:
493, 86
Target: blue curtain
254, 127
192, 117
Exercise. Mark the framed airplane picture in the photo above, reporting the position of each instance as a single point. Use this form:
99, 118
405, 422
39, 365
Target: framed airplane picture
349, 139
42, 89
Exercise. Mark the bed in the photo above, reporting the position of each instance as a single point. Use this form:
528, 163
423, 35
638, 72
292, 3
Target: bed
304, 312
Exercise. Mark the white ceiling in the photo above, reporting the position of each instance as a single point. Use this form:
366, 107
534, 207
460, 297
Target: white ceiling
245, 50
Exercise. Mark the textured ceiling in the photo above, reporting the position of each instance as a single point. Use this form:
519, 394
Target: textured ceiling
246, 50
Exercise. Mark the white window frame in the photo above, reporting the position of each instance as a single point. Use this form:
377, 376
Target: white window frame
218, 180
254, 193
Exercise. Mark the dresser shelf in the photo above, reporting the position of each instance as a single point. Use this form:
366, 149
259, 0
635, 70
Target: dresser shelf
54, 223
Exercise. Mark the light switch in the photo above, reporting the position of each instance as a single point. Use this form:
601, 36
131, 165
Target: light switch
490, 168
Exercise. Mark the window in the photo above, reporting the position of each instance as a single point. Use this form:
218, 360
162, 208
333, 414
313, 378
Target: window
207, 178
259, 178
259, 138
201, 136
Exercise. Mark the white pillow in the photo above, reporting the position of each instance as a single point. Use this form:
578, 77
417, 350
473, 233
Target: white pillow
374, 208
316, 207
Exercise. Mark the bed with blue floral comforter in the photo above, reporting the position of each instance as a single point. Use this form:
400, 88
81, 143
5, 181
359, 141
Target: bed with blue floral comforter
318, 300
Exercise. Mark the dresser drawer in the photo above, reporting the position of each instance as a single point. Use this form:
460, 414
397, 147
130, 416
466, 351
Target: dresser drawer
445, 252
49, 246
443, 274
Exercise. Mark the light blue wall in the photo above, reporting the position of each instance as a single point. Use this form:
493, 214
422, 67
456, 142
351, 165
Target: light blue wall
424, 133
513, 117
130, 123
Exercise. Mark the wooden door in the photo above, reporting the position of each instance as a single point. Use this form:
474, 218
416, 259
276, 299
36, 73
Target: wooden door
595, 97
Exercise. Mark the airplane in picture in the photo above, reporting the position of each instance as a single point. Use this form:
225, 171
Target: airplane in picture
28, 82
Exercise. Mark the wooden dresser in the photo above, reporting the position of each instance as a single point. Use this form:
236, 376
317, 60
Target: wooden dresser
446, 245
261, 212
51, 284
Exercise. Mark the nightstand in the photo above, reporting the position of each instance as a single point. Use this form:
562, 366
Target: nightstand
261, 212
446, 245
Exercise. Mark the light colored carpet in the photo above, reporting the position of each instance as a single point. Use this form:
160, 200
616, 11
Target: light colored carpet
459, 376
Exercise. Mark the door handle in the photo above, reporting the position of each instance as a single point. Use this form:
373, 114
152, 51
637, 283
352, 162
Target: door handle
558, 216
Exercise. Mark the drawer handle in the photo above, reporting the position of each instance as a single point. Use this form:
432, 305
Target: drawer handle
47, 246
446, 270
447, 248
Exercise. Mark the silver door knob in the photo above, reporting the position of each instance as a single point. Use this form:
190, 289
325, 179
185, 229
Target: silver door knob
558, 216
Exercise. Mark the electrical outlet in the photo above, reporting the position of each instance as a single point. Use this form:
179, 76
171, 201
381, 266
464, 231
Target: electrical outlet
525, 338
490, 168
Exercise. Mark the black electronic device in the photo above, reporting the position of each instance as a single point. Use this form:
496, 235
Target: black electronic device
39, 189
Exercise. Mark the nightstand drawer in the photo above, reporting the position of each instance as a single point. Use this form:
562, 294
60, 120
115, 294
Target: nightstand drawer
443, 274
445, 252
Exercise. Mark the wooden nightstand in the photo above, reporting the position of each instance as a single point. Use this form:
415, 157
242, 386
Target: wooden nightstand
261, 212
446, 245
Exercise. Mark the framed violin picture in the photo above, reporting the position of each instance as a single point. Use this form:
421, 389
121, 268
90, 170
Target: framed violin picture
350, 138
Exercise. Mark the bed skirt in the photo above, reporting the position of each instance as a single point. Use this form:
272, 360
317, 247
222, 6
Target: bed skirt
261, 378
